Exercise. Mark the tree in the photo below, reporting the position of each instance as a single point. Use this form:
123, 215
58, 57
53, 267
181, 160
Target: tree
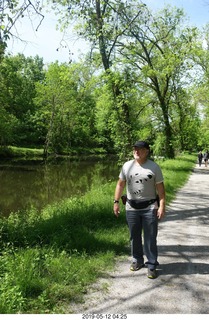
8, 124
98, 23
151, 50
185, 120
200, 90
10, 12
65, 108
18, 76
158, 50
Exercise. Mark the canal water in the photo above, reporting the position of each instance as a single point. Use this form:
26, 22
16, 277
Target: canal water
23, 186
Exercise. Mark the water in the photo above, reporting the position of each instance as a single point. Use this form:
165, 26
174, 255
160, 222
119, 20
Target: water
26, 185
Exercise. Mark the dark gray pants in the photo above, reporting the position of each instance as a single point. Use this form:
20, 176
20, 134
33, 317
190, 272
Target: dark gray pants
146, 222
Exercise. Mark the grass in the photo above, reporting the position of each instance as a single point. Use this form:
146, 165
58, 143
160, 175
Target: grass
176, 172
17, 152
49, 258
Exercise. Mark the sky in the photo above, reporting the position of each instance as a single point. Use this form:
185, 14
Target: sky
46, 41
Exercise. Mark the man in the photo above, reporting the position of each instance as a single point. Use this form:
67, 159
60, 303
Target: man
206, 157
200, 157
144, 182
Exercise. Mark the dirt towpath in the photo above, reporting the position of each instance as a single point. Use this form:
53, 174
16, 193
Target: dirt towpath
182, 286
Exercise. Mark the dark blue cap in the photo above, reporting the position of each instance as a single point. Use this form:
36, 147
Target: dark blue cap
141, 144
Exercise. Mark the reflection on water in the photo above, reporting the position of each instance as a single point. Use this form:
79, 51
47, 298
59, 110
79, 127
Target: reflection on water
23, 186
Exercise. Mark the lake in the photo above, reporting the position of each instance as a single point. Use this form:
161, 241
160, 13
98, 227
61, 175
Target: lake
23, 185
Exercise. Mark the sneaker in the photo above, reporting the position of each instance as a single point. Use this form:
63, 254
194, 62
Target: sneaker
136, 266
152, 273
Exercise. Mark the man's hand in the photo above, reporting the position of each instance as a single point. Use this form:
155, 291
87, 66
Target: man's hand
116, 209
161, 193
160, 213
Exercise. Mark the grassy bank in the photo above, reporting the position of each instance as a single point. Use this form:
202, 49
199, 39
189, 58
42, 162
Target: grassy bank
49, 258
17, 152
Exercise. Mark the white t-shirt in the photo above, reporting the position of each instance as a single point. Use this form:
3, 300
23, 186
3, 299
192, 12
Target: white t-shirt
141, 180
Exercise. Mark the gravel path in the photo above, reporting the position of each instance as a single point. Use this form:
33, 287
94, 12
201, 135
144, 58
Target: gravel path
182, 286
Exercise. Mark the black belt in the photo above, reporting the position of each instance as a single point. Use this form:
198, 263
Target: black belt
137, 204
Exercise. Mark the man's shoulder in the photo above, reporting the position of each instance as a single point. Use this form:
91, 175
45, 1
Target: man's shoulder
128, 163
152, 164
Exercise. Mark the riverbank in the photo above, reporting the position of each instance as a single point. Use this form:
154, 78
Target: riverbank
17, 154
49, 258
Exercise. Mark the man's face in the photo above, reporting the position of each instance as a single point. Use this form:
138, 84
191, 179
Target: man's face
140, 153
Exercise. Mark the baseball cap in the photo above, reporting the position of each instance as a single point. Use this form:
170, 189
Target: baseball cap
141, 144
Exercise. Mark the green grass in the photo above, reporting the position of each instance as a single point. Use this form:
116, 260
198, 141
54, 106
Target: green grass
49, 258
176, 172
33, 153
17, 152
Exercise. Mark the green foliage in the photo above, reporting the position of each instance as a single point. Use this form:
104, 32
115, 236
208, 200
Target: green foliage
17, 86
8, 124
65, 108
145, 91
151, 57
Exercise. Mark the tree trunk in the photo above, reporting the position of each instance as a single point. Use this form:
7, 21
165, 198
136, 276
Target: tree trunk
169, 150
124, 140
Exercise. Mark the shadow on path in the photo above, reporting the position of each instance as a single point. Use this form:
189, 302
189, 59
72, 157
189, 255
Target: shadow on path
183, 268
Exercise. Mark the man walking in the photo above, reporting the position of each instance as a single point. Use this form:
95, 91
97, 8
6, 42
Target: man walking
144, 185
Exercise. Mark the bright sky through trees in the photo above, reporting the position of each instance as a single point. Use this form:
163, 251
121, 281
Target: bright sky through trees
48, 42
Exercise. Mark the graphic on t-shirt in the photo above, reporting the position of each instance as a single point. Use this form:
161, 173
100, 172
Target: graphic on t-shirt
137, 182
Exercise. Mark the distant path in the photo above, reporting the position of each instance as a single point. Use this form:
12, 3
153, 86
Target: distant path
183, 283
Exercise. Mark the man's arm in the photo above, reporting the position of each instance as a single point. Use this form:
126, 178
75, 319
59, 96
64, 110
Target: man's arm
118, 193
161, 192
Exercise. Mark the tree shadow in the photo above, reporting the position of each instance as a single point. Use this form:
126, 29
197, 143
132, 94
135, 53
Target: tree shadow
198, 210
188, 253
201, 170
183, 268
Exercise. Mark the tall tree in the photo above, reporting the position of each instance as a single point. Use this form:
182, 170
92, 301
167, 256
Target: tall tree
158, 49
201, 84
65, 108
155, 48
98, 23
